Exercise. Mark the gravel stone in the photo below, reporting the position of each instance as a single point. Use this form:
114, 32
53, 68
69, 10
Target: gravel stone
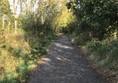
64, 64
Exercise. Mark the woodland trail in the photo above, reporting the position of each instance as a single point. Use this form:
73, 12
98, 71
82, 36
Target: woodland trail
64, 64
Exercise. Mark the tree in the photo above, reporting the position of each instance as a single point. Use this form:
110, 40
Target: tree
4, 11
15, 3
96, 16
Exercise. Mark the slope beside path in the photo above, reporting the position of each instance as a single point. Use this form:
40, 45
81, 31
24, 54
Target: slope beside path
64, 64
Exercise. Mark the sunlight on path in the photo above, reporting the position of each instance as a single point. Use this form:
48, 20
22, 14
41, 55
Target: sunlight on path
63, 64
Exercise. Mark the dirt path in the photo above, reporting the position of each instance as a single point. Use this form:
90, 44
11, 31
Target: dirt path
63, 64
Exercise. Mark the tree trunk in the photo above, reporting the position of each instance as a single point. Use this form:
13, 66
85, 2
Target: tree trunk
9, 25
15, 22
3, 21
15, 15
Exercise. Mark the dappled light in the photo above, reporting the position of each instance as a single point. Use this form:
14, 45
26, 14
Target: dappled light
63, 66
36, 34
44, 60
63, 46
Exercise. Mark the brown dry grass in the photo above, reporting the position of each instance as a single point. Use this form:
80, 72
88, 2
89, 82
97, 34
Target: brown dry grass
8, 62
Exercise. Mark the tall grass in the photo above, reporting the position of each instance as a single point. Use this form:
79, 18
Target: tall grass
106, 52
19, 55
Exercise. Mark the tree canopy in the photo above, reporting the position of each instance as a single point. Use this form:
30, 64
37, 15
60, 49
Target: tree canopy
99, 16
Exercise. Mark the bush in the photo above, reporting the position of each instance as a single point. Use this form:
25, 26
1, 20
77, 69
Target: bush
105, 52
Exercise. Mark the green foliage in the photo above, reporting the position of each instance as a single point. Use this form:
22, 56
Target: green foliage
15, 51
105, 51
24, 48
96, 16
4, 7
97, 30
8, 80
65, 21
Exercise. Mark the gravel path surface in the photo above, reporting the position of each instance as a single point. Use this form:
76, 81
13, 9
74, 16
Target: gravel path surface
63, 64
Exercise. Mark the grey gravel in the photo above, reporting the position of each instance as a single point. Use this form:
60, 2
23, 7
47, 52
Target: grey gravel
64, 64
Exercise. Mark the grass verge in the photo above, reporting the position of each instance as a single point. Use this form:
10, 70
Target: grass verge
18, 54
102, 54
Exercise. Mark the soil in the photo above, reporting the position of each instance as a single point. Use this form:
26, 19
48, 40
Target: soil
64, 64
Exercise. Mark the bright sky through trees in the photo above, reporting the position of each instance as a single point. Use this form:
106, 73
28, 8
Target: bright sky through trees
23, 5
29, 4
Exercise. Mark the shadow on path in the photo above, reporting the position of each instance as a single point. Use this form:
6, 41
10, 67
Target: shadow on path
63, 64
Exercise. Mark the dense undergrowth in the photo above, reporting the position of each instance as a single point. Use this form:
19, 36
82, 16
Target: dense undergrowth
20, 51
104, 52
20, 54
91, 24
97, 32
103, 55
24, 39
